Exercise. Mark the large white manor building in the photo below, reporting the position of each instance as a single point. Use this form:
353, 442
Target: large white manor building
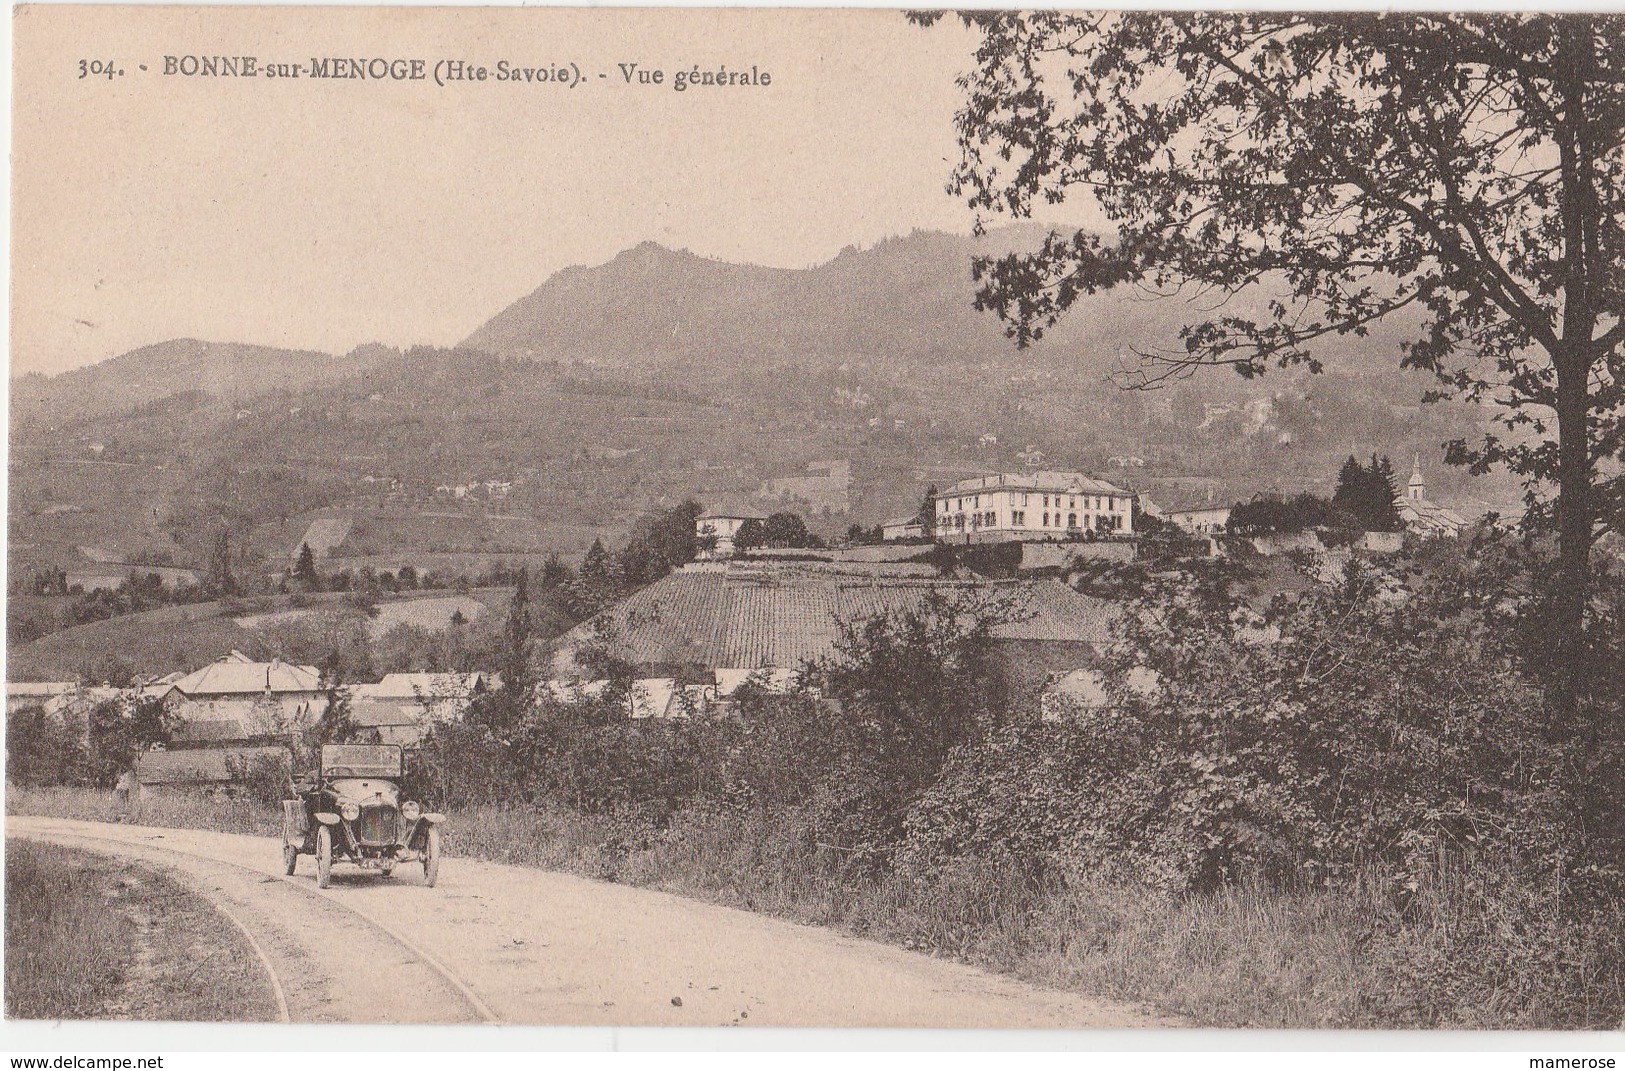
1032, 506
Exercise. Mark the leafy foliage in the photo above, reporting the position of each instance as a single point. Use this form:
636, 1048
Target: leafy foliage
1389, 719
1300, 513
1368, 493
42, 749
120, 729
1457, 175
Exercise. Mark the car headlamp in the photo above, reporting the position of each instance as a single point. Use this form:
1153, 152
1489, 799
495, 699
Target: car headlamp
349, 810
410, 811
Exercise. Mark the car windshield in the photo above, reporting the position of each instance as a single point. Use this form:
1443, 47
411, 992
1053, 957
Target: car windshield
361, 760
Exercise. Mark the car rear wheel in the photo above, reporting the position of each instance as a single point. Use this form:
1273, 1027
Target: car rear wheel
324, 857
431, 856
290, 857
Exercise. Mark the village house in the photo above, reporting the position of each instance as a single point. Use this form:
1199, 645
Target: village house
264, 697
723, 525
53, 697
166, 772
400, 708
1032, 506
902, 528
1200, 520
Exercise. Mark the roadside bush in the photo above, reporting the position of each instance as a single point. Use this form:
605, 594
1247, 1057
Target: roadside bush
1380, 720
119, 730
262, 778
43, 749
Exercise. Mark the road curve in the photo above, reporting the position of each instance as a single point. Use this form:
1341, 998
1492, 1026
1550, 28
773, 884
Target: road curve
525, 946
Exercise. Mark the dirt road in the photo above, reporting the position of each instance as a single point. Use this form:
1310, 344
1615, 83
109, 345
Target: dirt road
509, 944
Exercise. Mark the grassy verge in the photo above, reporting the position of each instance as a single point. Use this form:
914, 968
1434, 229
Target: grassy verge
172, 811
90, 937
1468, 950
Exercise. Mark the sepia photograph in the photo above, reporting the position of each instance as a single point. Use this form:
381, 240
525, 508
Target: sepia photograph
1058, 520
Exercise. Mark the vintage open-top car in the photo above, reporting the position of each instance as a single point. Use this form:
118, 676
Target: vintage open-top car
350, 810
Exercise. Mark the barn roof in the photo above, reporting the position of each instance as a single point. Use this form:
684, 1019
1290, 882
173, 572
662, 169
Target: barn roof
196, 766
427, 685
210, 731
755, 616
236, 674
372, 713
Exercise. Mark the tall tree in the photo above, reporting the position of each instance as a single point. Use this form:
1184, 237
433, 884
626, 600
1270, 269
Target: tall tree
221, 579
595, 566
335, 725
785, 529
554, 571
750, 535
503, 709
304, 569
1368, 493
1458, 174
927, 516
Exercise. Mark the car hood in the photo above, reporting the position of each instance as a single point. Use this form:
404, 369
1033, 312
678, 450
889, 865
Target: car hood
367, 791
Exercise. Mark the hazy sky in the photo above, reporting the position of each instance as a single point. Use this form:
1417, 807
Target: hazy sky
324, 214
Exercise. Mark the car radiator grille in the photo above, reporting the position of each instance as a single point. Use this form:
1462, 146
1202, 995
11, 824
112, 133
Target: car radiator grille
377, 825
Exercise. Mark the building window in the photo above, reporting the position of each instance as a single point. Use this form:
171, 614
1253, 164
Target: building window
1071, 520
1046, 520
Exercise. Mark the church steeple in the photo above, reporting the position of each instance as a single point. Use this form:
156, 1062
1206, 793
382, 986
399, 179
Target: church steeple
1416, 489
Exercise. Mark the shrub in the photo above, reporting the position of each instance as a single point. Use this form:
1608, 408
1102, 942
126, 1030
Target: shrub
260, 777
43, 749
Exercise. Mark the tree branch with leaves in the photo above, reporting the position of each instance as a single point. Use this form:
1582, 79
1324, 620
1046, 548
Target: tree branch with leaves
1458, 175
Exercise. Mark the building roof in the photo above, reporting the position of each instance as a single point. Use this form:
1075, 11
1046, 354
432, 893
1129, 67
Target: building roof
1420, 513
901, 522
732, 512
372, 713
198, 765
210, 731
20, 689
1042, 481
237, 674
757, 616
427, 685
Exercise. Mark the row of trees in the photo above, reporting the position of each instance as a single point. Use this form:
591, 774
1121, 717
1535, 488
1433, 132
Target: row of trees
1364, 501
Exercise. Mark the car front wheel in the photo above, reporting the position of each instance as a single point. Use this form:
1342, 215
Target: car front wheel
324, 857
431, 856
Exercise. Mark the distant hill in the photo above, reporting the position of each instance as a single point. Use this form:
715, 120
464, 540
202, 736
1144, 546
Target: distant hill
905, 301
225, 370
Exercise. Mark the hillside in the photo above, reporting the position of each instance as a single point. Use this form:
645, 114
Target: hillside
184, 637
661, 375
175, 369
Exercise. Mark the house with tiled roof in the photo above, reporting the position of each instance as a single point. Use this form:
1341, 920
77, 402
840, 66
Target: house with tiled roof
902, 528
50, 696
719, 526
400, 707
163, 771
265, 697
